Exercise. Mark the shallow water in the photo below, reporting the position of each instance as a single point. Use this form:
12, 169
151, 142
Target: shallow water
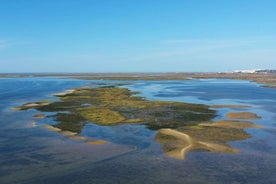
32, 154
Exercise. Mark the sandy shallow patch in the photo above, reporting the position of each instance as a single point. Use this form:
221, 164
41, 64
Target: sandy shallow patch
16, 108
51, 128
39, 116
79, 138
31, 105
73, 135
69, 91
230, 106
243, 115
68, 133
97, 142
232, 124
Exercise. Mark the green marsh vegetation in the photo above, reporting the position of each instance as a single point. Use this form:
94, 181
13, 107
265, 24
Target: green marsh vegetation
112, 106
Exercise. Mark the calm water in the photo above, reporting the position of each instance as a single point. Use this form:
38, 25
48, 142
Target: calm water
33, 154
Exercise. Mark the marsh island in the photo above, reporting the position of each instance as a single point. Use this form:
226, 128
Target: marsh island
112, 106
181, 127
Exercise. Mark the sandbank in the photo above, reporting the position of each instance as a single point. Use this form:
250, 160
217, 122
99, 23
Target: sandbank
39, 116
230, 106
243, 115
231, 124
97, 142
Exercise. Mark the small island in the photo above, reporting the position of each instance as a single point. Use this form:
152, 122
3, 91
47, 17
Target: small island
112, 106
181, 127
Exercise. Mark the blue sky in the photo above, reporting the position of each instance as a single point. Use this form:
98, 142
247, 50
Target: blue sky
136, 35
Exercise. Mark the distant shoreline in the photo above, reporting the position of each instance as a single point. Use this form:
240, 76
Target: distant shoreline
266, 79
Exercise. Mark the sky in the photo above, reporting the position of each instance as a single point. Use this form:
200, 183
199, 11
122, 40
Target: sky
137, 35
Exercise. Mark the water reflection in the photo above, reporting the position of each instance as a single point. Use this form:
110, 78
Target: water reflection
179, 125
32, 154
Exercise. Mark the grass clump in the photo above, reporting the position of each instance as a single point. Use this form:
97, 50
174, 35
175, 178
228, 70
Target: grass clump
103, 115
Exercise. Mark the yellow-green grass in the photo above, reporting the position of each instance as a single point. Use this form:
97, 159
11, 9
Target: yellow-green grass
102, 115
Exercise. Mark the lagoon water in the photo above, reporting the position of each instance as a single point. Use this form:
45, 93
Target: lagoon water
29, 153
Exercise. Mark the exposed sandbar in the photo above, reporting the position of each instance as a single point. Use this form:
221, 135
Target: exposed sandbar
79, 138
68, 133
243, 115
230, 106
39, 116
52, 128
31, 105
97, 142
232, 124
